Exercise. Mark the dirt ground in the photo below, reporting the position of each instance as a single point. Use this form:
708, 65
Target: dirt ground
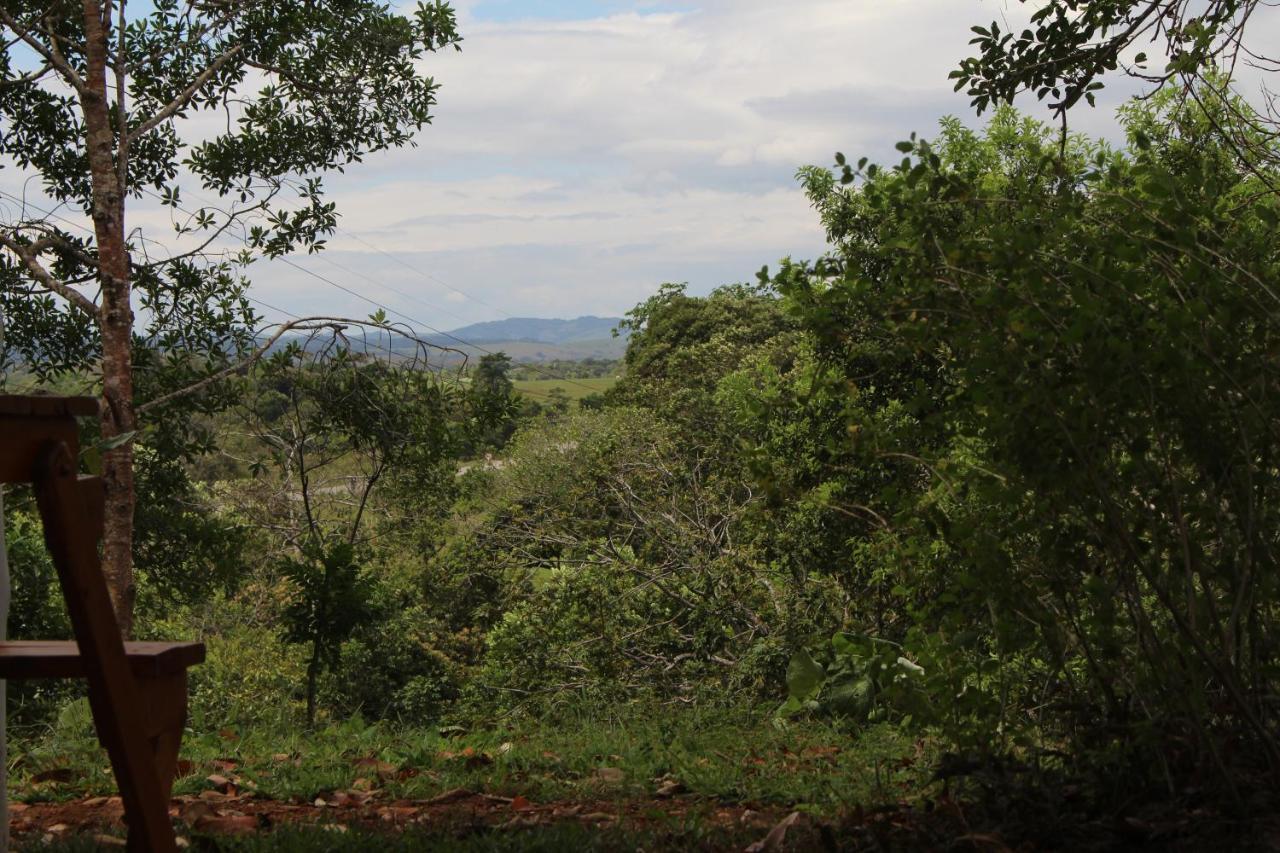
454, 811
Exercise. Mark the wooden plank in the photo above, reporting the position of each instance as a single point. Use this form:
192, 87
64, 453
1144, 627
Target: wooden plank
164, 702
48, 405
23, 659
24, 438
113, 693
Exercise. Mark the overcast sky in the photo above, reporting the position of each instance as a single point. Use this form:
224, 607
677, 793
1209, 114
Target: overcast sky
585, 152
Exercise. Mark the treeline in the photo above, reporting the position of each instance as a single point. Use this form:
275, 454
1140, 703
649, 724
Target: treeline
586, 368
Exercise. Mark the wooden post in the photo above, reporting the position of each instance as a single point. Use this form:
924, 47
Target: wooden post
69, 505
4, 720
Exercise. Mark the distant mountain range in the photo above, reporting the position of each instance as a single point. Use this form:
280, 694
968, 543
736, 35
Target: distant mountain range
525, 339
541, 330
535, 339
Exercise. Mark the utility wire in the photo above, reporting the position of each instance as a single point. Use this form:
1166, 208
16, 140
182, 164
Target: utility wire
344, 289
324, 257
390, 310
420, 272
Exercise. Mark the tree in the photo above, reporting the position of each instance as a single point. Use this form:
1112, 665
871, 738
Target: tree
493, 400
94, 101
332, 426
1092, 422
1070, 48
681, 346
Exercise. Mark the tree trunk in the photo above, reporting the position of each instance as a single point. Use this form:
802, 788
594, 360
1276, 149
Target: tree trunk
115, 317
313, 676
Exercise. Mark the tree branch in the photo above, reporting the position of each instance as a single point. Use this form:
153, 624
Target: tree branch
53, 57
304, 323
39, 273
29, 77
184, 98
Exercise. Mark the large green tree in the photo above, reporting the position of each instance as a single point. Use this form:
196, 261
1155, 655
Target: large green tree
98, 103
1079, 342
333, 427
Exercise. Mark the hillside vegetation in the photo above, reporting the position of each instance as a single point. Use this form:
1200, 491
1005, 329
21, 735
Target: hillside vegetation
962, 535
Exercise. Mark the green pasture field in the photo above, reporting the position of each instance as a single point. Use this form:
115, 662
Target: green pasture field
576, 389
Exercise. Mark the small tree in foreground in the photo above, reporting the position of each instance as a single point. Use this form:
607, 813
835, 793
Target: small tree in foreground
336, 424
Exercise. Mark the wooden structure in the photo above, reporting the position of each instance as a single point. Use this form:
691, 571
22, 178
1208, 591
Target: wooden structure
137, 691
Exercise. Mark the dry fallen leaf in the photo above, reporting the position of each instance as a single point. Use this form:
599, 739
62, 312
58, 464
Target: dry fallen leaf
450, 796
611, 775
220, 783
394, 813
668, 789
227, 824
773, 841
109, 841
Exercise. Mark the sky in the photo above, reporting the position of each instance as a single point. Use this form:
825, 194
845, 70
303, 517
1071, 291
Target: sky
583, 152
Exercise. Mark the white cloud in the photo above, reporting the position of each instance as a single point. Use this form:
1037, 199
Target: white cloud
575, 165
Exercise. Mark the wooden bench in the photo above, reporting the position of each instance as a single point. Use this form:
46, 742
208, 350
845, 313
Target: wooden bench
137, 691
159, 670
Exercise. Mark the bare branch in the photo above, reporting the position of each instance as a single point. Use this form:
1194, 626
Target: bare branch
29, 77
184, 98
51, 55
302, 323
29, 255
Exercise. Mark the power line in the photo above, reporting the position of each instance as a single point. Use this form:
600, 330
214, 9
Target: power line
349, 291
49, 213
322, 256
422, 273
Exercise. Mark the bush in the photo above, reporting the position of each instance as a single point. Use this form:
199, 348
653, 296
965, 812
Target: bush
250, 679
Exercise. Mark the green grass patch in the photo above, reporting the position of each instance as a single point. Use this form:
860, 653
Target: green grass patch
817, 767
574, 389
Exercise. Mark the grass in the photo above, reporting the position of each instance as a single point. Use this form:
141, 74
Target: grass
722, 768
820, 767
574, 389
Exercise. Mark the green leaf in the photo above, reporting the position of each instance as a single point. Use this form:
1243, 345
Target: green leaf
108, 444
853, 698
804, 675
